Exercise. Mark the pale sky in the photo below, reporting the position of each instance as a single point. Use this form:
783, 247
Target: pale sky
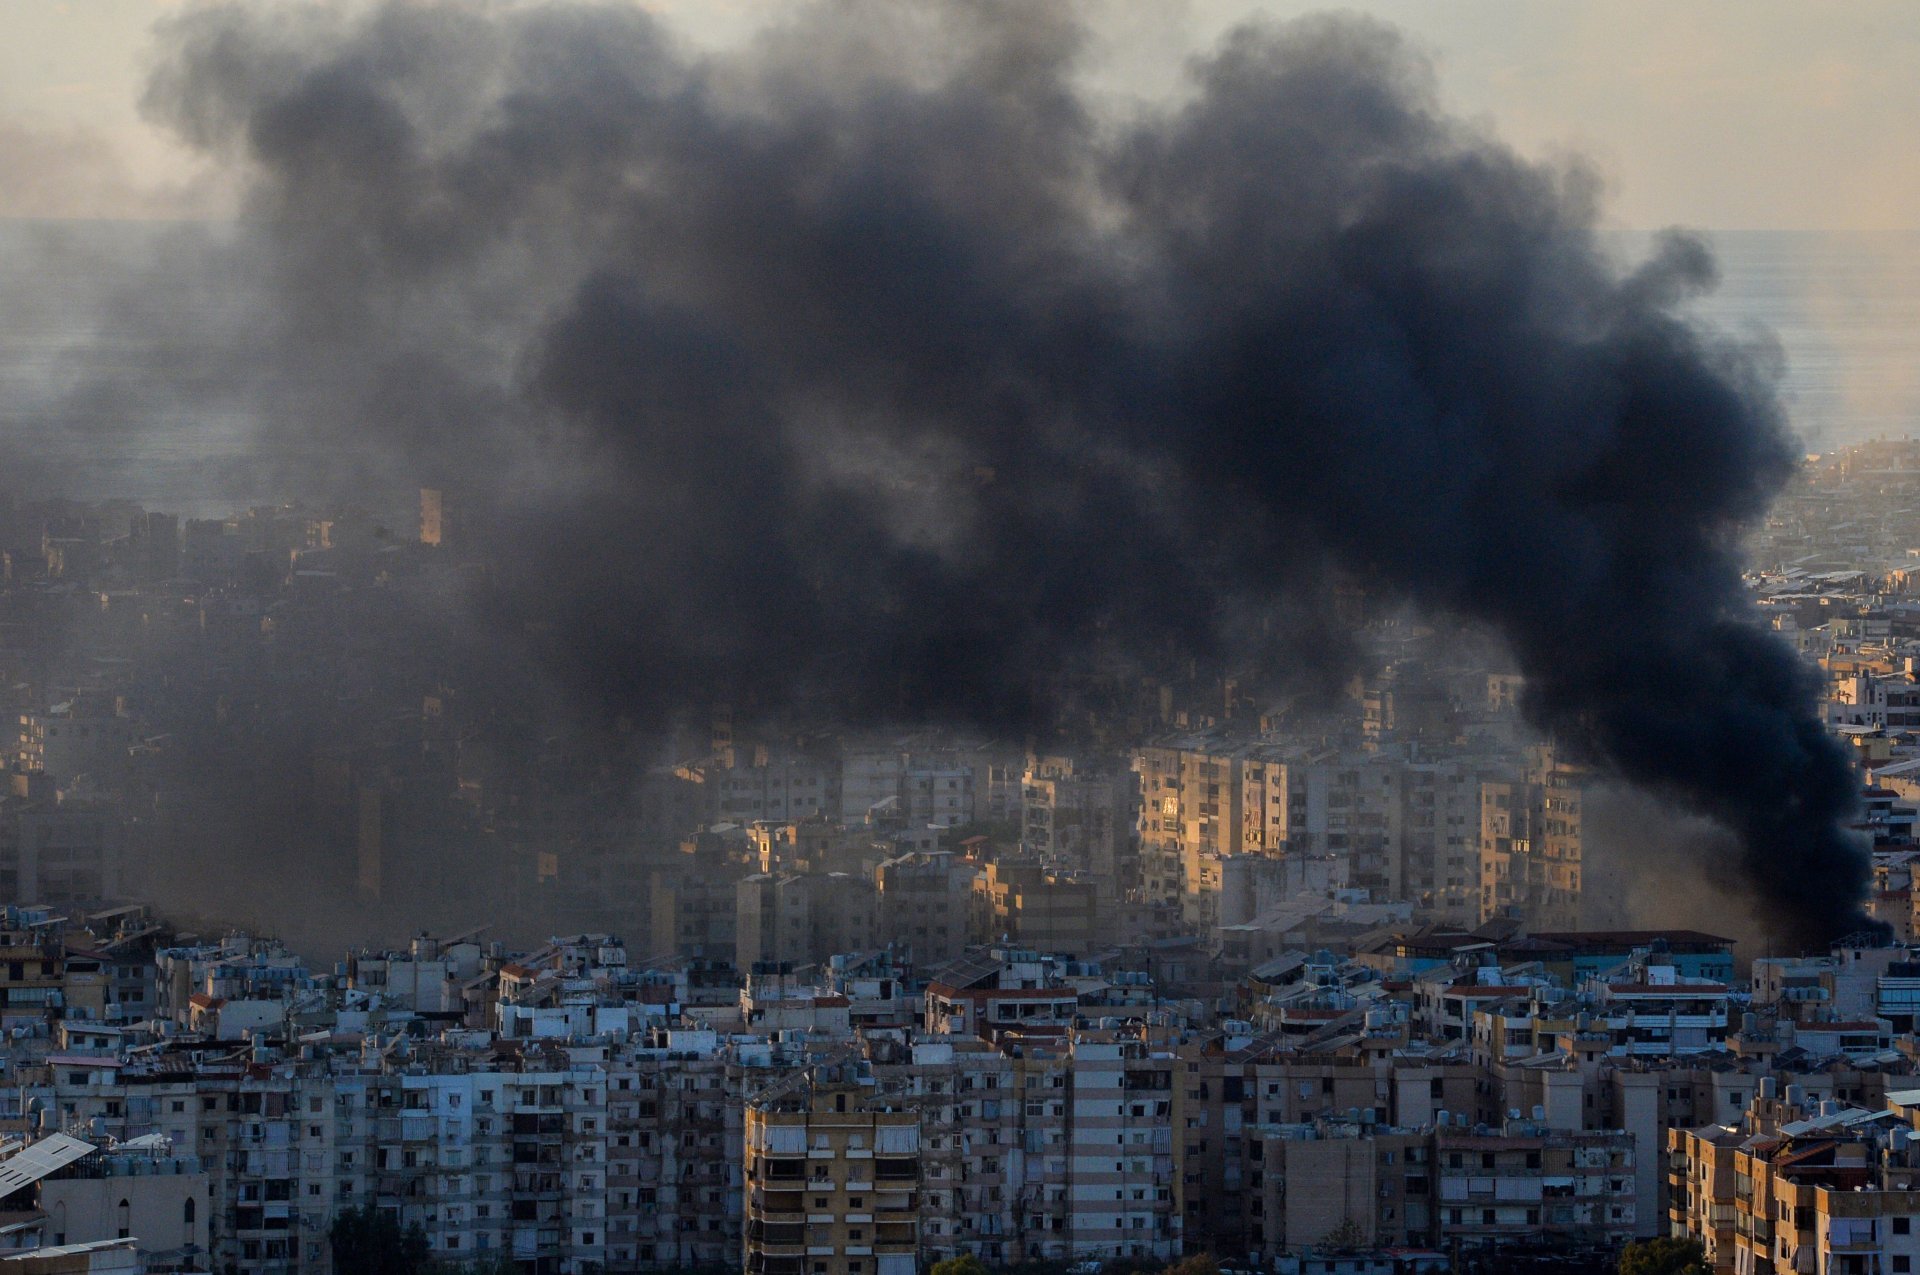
1709, 113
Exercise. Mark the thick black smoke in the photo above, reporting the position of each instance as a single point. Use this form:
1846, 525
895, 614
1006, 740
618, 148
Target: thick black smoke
868, 366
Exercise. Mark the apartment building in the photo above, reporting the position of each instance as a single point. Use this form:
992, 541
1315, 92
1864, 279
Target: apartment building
986, 1132
1075, 819
1201, 799
63, 850
1225, 1104
581, 1157
1526, 1180
32, 969
1397, 822
802, 918
895, 782
832, 1175
784, 791
1120, 1145
1054, 912
1337, 1185
925, 903
1800, 1184
1531, 860
695, 913
1440, 829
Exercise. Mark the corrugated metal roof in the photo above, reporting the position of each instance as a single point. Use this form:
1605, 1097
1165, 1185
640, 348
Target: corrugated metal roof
26, 1167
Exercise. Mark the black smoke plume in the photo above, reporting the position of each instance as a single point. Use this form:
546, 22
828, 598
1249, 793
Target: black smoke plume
870, 366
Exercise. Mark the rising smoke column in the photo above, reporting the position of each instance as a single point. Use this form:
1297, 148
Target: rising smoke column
868, 366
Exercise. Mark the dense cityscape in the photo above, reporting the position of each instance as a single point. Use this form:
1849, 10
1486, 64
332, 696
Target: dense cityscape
1307, 985
959, 637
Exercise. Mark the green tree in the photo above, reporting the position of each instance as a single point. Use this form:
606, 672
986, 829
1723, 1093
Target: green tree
1664, 1257
497, 1264
1345, 1237
1199, 1264
369, 1241
965, 1264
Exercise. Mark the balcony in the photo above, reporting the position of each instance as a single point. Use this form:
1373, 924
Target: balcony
1861, 1241
773, 1236
794, 1251
896, 1169
776, 1203
774, 1169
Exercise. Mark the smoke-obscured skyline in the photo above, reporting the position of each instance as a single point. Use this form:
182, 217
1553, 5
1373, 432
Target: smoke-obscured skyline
871, 363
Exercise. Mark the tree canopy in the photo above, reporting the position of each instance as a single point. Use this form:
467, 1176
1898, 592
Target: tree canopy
1664, 1257
369, 1241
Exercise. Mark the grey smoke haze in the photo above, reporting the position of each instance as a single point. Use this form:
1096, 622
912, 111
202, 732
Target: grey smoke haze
1655, 866
867, 366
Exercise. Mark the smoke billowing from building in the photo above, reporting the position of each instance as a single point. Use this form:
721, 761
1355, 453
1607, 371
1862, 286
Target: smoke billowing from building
868, 365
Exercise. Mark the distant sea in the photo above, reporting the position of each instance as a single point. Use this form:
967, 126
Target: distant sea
1845, 310
117, 342
106, 328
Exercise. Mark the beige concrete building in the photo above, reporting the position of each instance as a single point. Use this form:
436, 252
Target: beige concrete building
802, 918
1801, 1184
832, 1175
924, 903
1531, 844
141, 1191
1388, 821
1201, 799
1338, 1191
1030, 907
1075, 819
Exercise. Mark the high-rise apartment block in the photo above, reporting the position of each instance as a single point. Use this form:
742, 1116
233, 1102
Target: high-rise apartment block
832, 1172
1531, 843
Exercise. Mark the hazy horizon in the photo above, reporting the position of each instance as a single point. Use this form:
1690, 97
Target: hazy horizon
1715, 115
